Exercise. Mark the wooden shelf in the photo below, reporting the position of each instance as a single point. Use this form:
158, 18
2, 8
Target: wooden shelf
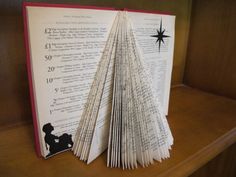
203, 125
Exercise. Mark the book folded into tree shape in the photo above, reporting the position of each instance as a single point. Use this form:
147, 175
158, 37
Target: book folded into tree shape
139, 132
100, 78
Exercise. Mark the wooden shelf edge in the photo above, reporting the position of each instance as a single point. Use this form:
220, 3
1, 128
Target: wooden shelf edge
197, 160
203, 126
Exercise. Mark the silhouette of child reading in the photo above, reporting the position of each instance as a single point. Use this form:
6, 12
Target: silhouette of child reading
56, 143
50, 139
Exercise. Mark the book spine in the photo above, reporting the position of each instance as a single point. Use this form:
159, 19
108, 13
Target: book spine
30, 80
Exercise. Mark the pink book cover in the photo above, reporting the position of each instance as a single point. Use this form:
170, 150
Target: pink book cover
27, 47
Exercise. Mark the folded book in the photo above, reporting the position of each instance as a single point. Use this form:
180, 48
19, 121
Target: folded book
100, 79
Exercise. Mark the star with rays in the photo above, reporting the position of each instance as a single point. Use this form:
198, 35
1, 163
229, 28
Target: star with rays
160, 36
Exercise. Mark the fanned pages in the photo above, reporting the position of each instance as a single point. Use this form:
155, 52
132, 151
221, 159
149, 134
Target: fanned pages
100, 92
139, 132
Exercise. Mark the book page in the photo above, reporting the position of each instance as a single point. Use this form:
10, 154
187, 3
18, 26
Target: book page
139, 132
66, 45
101, 130
154, 35
90, 139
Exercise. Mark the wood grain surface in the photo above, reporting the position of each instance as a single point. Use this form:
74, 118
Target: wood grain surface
211, 56
223, 165
203, 125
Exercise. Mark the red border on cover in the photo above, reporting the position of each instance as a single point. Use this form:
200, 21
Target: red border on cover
35, 4
28, 62
148, 12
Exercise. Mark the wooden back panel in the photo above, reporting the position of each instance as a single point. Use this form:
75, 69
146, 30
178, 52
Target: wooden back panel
14, 95
211, 56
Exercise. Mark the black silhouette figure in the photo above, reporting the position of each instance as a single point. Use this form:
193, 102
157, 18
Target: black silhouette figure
160, 36
55, 143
